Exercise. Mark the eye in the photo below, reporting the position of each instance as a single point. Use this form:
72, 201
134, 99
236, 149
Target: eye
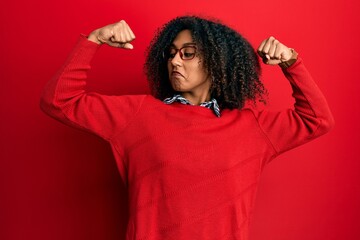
189, 52
189, 55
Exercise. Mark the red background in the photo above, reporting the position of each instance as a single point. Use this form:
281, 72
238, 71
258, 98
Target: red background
61, 183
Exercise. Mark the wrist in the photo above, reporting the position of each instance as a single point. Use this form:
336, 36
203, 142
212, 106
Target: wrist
290, 61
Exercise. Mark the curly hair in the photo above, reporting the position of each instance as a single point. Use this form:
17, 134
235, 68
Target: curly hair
227, 56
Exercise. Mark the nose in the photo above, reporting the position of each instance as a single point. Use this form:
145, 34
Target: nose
176, 61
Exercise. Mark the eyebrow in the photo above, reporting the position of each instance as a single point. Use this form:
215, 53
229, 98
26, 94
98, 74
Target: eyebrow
185, 44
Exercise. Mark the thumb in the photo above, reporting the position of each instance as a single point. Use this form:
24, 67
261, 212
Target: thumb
127, 46
120, 45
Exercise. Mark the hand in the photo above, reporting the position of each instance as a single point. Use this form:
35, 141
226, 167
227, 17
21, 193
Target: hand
115, 35
274, 52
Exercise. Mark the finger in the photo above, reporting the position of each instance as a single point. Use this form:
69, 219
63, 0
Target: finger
119, 45
122, 33
117, 34
272, 49
128, 33
124, 36
260, 48
262, 44
279, 50
268, 44
117, 30
114, 44
128, 46
131, 33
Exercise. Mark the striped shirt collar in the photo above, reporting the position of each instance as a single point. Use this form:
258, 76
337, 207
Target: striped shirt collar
212, 104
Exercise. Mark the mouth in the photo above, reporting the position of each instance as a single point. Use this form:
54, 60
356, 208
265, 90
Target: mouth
176, 74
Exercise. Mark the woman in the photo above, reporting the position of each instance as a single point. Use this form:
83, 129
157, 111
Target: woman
190, 153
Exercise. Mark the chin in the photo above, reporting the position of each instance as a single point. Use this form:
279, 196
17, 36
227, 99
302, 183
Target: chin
176, 86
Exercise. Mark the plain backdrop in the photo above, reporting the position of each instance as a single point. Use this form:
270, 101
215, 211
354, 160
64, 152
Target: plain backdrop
59, 183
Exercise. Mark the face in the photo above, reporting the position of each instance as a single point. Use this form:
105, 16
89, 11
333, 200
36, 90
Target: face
187, 74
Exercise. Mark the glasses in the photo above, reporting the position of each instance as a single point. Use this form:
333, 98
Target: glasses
186, 53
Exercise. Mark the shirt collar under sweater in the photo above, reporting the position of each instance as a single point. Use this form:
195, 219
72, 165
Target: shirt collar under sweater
212, 104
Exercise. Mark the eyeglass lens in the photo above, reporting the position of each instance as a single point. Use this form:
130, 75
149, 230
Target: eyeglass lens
186, 53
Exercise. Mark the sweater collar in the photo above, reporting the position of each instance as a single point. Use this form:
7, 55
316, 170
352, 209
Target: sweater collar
212, 104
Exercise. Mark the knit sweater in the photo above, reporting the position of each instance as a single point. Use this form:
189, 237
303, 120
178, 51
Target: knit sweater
190, 174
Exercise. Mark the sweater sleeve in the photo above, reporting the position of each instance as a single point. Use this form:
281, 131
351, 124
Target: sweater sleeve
309, 119
65, 99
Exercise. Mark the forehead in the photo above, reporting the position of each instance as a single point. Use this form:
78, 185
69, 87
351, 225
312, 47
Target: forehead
182, 38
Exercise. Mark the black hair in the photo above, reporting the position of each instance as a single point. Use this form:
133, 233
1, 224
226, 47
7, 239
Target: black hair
227, 56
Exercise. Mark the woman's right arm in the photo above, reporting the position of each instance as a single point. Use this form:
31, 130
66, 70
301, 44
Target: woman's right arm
65, 99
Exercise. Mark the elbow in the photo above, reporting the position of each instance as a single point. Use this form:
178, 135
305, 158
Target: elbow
47, 103
44, 105
326, 125
330, 123
45, 100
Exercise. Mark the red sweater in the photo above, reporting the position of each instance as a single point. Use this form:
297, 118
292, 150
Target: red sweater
190, 174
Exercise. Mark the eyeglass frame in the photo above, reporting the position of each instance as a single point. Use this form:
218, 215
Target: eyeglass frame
180, 53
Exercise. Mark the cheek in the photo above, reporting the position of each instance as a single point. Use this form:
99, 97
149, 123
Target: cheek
198, 72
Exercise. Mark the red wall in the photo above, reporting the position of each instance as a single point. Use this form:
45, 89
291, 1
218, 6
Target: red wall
60, 183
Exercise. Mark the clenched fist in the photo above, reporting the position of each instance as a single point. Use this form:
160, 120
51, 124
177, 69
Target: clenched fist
274, 52
115, 35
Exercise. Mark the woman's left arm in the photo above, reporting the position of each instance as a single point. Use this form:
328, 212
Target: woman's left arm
310, 117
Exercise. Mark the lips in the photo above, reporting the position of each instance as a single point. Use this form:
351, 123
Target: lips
176, 74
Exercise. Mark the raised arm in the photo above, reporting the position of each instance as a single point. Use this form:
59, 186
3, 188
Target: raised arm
310, 117
65, 98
